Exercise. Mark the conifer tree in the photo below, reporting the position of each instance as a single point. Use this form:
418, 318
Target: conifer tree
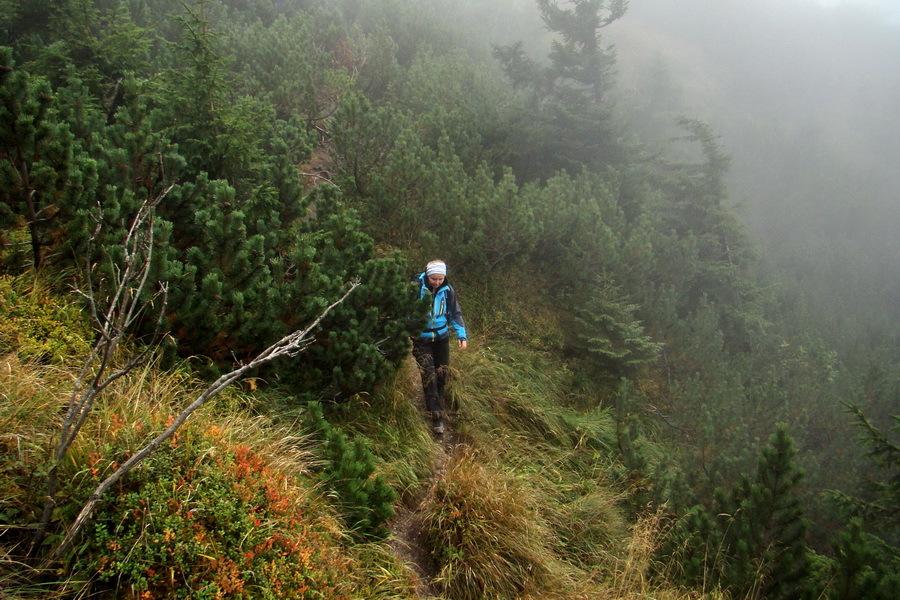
454, 101
218, 131
349, 470
776, 521
881, 501
42, 167
695, 543
610, 334
632, 445
19, 20
287, 64
225, 298
241, 261
498, 220
135, 164
368, 335
751, 540
865, 567
867, 563
363, 137
399, 204
565, 122
581, 224
716, 248
97, 42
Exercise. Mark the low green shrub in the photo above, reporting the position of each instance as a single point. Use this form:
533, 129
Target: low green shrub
37, 325
206, 519
349, 471
391, 421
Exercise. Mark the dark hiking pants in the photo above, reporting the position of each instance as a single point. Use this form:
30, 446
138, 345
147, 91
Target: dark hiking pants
433, 358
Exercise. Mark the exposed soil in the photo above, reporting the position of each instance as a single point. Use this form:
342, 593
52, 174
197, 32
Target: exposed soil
409, 540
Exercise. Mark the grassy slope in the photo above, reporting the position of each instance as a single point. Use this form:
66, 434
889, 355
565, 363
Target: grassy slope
530, 505
532, 501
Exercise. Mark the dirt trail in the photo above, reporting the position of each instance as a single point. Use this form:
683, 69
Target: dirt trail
408, 539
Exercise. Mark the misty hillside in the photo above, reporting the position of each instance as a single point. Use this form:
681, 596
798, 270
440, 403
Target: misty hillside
805, 99
670, 229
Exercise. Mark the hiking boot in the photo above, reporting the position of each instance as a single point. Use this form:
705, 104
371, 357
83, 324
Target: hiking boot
438, 423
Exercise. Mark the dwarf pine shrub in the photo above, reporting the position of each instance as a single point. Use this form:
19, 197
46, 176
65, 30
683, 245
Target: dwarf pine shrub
349, 471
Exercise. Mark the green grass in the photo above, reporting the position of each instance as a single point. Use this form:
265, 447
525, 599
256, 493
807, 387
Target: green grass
532, 505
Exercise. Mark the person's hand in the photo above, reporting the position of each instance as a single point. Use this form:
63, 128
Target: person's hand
462, 344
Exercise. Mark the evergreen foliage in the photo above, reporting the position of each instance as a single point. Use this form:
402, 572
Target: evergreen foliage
241, 261
865, 567
866, 552
363, 136
289, 65
368, 335
23, 20
881, 502
98, 42
633, 445
219, 132
581, 227
349, 471
565, 121
609, 333
456, 102
42, 169
292, 146
751, 539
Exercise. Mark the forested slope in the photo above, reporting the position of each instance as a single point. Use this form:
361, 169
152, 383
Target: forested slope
639, 400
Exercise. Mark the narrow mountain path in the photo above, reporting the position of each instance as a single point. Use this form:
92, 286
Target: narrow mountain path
409, 539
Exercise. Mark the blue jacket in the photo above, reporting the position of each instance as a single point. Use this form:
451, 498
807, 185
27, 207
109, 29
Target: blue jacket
445, 311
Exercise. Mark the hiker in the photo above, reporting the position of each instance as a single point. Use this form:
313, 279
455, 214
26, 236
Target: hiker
432, 347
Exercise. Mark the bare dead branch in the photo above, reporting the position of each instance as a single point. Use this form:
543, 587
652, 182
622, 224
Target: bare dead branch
289, 345
320, 175
121, 310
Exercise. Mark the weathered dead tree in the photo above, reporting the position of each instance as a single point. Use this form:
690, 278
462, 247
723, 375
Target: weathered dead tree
112, 317
289, 345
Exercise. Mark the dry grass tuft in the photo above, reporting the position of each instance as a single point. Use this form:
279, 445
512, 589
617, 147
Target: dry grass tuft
488, 536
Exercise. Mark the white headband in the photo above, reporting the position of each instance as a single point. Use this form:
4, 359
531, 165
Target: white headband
436, 268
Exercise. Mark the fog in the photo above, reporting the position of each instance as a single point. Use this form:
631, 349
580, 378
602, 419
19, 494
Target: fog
806, 97
888, 10
825, 78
